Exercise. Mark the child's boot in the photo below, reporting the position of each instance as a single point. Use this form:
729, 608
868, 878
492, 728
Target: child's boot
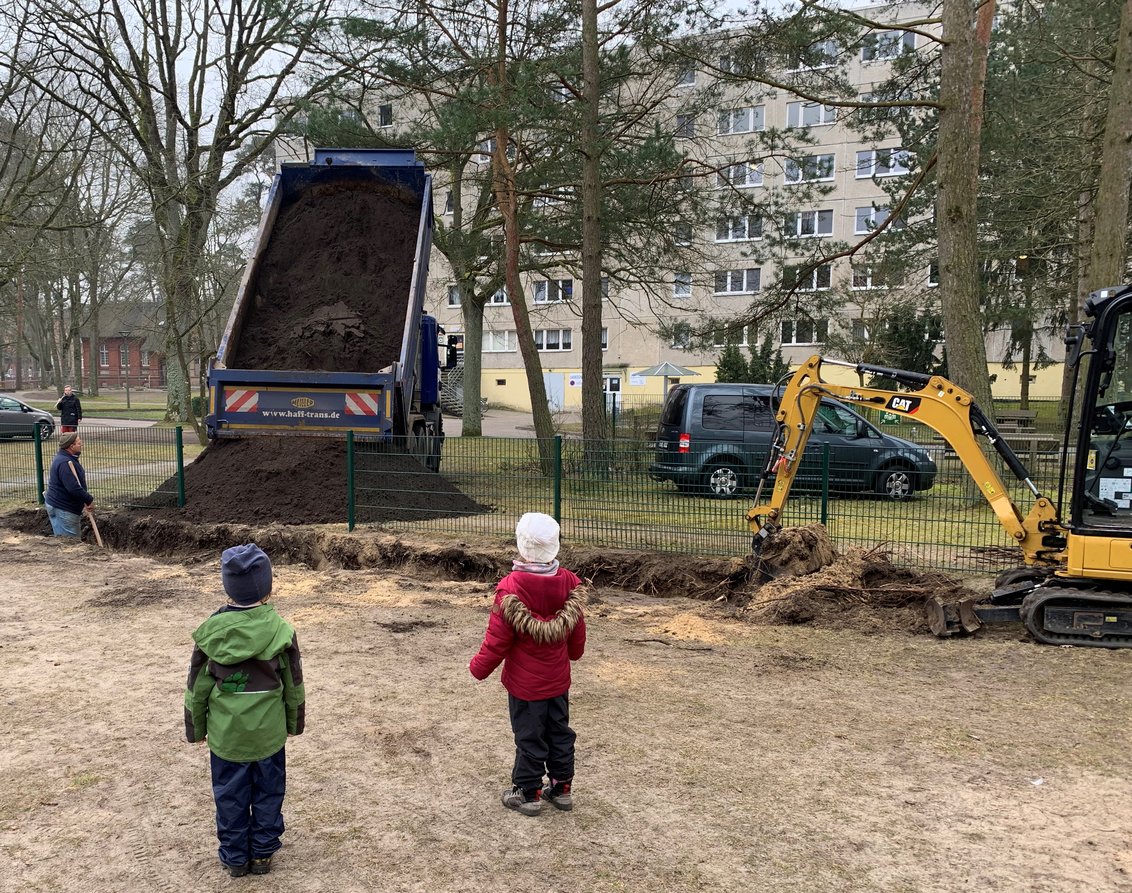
557, 794
526, 802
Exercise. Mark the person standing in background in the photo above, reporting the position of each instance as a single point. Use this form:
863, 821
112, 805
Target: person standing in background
70, 411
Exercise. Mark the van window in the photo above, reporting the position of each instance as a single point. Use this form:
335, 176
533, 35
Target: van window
836, 420
732, 412
674, 407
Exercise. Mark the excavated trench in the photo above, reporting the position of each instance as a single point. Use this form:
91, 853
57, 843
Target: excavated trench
813, 584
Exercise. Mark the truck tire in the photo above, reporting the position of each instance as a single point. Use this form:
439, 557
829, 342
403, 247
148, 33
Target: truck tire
896, 483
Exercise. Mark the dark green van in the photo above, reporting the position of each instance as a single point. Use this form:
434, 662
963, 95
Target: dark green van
714, 438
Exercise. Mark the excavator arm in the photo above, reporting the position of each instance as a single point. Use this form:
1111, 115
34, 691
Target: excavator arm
932, 400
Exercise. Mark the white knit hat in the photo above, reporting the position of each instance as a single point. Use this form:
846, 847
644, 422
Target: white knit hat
537, 537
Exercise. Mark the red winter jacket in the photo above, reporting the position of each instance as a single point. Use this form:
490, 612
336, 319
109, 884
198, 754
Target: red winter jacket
536, 628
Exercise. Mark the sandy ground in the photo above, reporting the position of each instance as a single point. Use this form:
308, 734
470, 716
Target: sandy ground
713, 754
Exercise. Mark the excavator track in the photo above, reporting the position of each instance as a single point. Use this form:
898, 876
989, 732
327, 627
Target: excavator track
1064, 614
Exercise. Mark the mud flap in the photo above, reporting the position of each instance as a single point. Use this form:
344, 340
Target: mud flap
946, 620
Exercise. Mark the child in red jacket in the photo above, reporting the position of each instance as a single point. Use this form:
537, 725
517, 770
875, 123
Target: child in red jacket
536, 628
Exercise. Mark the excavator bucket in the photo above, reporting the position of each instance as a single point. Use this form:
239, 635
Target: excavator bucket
948, 619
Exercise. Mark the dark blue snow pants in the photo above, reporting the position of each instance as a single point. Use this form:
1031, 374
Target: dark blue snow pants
249, 807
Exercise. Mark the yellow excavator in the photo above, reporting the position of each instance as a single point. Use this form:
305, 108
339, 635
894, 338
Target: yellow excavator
1075, 585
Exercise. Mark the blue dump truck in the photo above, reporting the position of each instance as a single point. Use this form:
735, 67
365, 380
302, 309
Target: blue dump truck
328, 333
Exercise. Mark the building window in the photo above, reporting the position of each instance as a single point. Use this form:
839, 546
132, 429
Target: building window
821, 54
145, 359
499, 342
810, 223
682, 234
809, 114
870, 218
681, 337
103, 356
453, 296
553, 339
727, 65
811, 279
448, 202
933, 274
604, 286
804, 331
682, 284
868, 277
385, 115
124, 355
810, 169
738, 282
882, 163
554, 291
744, 120
740, 175
739, 229
685, 127
687, 78
887, 45
605, 339
723, 337
499, 296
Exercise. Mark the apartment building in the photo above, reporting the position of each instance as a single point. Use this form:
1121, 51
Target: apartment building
839, 178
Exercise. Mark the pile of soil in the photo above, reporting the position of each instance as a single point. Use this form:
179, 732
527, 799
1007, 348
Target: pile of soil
332, 287
302, 480
860, 589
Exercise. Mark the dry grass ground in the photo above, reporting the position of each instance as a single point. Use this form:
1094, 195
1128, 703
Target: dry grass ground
714, 754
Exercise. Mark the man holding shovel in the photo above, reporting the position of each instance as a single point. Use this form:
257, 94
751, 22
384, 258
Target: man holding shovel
67, 496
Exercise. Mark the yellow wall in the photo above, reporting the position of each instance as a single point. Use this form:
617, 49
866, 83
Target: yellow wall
514, 394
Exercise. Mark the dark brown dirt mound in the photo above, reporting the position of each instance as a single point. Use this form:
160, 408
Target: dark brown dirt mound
332, 288
860, 590
302, 480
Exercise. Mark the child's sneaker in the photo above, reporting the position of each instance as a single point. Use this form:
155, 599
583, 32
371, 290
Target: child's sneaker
558, 794
527, 804
261, 866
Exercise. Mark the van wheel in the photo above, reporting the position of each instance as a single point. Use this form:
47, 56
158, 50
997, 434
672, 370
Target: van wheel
895, 483
722, 480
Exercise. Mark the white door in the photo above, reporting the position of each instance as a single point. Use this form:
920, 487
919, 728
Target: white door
612, 387
555, 384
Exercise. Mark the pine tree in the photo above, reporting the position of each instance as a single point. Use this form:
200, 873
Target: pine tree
766, 365
731, 366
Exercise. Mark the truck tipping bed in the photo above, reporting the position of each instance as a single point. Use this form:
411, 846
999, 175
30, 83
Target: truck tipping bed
327, 333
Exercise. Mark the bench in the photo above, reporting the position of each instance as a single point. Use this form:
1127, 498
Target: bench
1016, 420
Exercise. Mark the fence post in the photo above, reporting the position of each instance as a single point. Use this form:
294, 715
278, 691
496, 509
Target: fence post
38, 464
825, 483
350, 480
180, 466
558, 478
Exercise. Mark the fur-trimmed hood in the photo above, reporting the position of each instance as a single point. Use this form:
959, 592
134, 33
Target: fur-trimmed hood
544, 632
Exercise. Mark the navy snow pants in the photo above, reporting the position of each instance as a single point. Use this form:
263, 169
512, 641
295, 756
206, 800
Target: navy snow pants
249, 806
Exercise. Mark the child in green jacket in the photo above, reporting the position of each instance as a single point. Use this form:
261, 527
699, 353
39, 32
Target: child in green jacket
245, 695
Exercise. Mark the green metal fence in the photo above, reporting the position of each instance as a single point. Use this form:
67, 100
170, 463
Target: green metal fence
124, 466
602, 497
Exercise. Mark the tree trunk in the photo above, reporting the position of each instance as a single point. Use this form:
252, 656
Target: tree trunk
960, 125
595, 427
20, 330
471, 308
1110, 230
506, 199
92, 351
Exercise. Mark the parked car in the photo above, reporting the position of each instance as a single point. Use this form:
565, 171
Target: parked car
17, 419
714, 439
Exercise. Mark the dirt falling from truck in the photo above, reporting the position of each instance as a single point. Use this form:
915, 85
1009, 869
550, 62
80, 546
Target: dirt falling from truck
333, 284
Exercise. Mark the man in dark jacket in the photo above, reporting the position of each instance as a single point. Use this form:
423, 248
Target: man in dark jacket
70, 411
67, 496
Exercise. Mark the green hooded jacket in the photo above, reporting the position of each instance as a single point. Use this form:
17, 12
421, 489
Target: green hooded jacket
245, 690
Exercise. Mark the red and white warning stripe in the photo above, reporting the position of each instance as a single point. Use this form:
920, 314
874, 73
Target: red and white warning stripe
241, 401
362, 404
